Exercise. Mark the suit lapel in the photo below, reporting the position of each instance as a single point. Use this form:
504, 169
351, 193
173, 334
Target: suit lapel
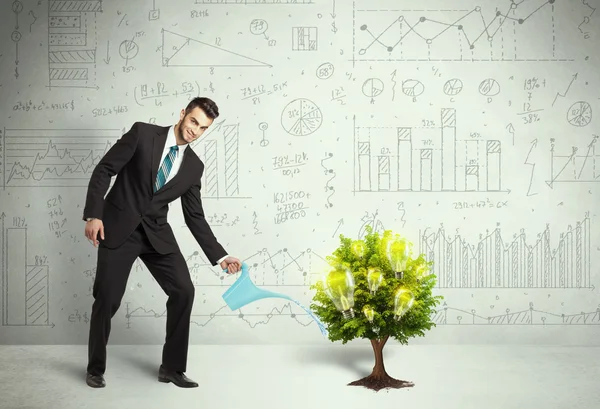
157, 149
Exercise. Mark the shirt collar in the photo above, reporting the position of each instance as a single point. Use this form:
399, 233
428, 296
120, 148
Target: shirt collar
171, 141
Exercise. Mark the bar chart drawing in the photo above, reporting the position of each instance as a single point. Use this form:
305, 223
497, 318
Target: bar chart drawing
26, 287
72, 43
220, 153
395, 159
495, 263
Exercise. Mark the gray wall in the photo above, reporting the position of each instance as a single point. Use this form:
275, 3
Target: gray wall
475, 136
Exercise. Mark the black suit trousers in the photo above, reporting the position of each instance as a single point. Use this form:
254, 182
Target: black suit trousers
112, 272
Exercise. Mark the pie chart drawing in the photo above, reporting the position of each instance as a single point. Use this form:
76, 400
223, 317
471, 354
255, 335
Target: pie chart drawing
579, 114
372, 87
301, 117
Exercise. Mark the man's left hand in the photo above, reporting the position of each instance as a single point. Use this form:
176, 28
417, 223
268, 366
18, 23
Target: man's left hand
231, 264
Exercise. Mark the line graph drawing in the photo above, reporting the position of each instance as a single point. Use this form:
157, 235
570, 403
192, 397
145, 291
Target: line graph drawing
401, 161
443, 316
525, 30
182, 51
495, 263
26, 287
220, 155
529, 316
53, 157
281, 270
72, 43
574, 167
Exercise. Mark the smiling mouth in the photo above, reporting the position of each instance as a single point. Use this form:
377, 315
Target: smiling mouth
190, 134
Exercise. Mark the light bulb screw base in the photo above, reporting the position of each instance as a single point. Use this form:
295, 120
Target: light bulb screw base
348, 314
399, 274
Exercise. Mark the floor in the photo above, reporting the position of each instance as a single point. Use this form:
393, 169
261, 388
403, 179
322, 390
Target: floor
232, 377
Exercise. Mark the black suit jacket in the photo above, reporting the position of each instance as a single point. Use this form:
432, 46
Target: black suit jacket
135, 158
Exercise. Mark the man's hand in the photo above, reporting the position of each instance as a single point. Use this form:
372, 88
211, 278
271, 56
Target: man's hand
92, 228
231, 264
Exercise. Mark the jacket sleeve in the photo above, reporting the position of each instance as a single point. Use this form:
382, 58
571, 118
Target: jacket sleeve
110, 165
193, 214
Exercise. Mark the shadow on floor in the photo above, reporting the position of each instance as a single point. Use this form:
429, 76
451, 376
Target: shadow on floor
358, 360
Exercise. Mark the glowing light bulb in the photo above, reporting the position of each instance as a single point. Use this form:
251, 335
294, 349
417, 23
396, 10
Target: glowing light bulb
402, 302
339, 286
369, 312
397, 253
358, 247
374, 278
421, 272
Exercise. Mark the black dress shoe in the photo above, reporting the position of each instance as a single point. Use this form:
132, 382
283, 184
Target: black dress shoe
95, 381
178, 378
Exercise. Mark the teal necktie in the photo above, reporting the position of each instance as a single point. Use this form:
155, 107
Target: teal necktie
165, 168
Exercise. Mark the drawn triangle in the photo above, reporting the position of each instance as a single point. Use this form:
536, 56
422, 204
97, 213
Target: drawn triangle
182, 51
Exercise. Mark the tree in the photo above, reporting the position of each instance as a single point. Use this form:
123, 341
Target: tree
379, 303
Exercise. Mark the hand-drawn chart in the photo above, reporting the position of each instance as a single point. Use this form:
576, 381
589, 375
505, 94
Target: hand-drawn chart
182, 51
579, 166
219, 150
301, 117
53, 157
496, 263
72, 43
533, 30
400, 161
524, 316
26, 293
304, 38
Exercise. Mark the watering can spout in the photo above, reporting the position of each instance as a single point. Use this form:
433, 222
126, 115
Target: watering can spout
243, 291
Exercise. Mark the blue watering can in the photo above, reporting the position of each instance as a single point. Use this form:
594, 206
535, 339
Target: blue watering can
244, 292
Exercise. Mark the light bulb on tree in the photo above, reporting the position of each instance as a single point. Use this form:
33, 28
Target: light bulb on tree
369, 313
402, 302
338, 284
358, 247
397, 253
421, 272
374, 278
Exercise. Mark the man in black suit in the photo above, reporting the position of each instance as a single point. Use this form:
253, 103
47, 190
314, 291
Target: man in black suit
154, 167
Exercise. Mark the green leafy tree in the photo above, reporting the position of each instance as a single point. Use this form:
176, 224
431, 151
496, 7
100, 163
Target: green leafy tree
400, 306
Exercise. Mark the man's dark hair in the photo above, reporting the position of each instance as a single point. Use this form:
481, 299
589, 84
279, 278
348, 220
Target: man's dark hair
209, 107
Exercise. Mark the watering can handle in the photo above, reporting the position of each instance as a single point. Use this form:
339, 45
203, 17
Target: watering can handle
244, 268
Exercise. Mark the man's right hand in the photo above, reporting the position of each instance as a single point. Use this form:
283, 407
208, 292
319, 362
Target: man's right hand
92, 228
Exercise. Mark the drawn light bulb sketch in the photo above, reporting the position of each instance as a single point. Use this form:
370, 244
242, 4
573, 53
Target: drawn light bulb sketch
259, 27
453, 87
301, 117
372, 88
579, 114
263, 126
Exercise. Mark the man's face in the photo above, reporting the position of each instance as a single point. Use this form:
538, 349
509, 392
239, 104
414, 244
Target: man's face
193, 125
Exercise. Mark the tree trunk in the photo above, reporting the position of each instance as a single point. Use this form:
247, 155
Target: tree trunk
379, 378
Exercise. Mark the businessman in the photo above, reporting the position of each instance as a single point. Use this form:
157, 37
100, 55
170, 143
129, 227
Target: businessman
154, 166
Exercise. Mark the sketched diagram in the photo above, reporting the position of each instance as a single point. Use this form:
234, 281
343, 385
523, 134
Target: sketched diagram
53, 157
537, 30
220, 152
580, 165
72, 43
393, 159
301, 117
495, 263
25, 287
181, 51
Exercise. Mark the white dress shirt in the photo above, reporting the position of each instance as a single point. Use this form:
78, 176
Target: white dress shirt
172, 141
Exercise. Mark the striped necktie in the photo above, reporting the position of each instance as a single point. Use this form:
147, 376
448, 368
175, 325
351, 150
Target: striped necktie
165, 168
